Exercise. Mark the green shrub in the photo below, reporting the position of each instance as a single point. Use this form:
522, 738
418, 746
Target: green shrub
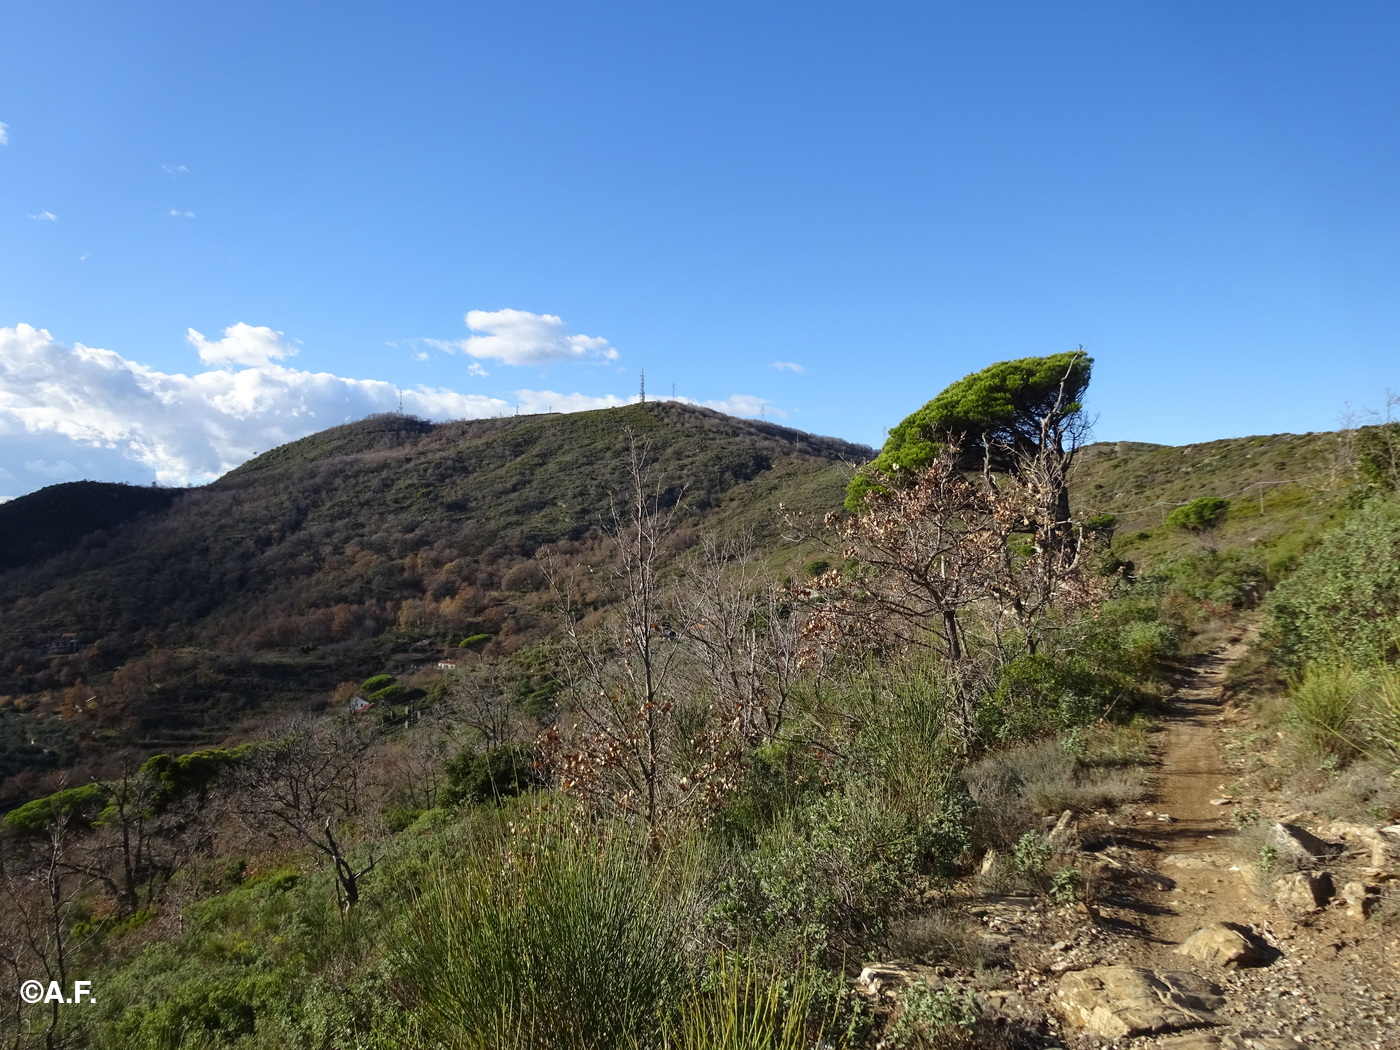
1200, 515
1064, 885
492, 775
1030, 855
829, 875
1378, 455
1141, 649
777, 776
933, 1017
1221, 580
1343, 600
1039, 693
269, 963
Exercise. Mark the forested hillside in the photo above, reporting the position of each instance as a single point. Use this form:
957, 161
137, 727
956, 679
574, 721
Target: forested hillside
380, 544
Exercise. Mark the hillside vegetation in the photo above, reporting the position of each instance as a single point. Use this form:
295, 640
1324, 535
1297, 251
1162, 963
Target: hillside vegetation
47, 522
383, 544
375, 544
693, 759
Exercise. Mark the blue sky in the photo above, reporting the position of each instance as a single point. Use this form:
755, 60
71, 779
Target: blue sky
271, 217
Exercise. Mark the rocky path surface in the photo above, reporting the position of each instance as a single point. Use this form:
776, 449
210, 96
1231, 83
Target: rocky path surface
1282, 963
1186, 941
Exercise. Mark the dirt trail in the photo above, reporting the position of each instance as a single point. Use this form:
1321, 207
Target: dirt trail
1333, 982
1159, 871
1191, 836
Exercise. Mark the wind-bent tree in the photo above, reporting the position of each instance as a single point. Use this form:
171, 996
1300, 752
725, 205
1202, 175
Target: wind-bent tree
966, 510
1013, 417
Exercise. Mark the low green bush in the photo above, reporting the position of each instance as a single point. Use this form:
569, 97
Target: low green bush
831, 873
492, 775
1040, 694
776, 777
1343, 600
1209, 584
1200, 515
931, 1018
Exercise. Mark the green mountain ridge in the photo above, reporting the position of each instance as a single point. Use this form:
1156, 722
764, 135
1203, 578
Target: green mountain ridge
42, 524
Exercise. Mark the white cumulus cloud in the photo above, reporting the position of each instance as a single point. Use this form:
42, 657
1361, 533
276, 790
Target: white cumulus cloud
791, 366
518, 337
62, 402
242, 344
45, 216
549, 401
174, 169
176, 213
4, 134
79, 411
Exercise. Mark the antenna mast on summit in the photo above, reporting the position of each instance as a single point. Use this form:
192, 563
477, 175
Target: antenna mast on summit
400, 402
644, 386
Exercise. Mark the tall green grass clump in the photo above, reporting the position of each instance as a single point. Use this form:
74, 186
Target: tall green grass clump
1381, 719
743, 1005
550, 940
1339, 710
1324, 706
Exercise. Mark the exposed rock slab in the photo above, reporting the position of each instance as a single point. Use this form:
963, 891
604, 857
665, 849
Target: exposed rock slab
1361, 839
1061, 836
884, 978
1118, 1001
1196, 861
1299, 844
1360, 899
1229, 945
1302, 892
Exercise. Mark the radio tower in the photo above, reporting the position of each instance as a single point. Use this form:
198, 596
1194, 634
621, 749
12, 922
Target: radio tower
644, 386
